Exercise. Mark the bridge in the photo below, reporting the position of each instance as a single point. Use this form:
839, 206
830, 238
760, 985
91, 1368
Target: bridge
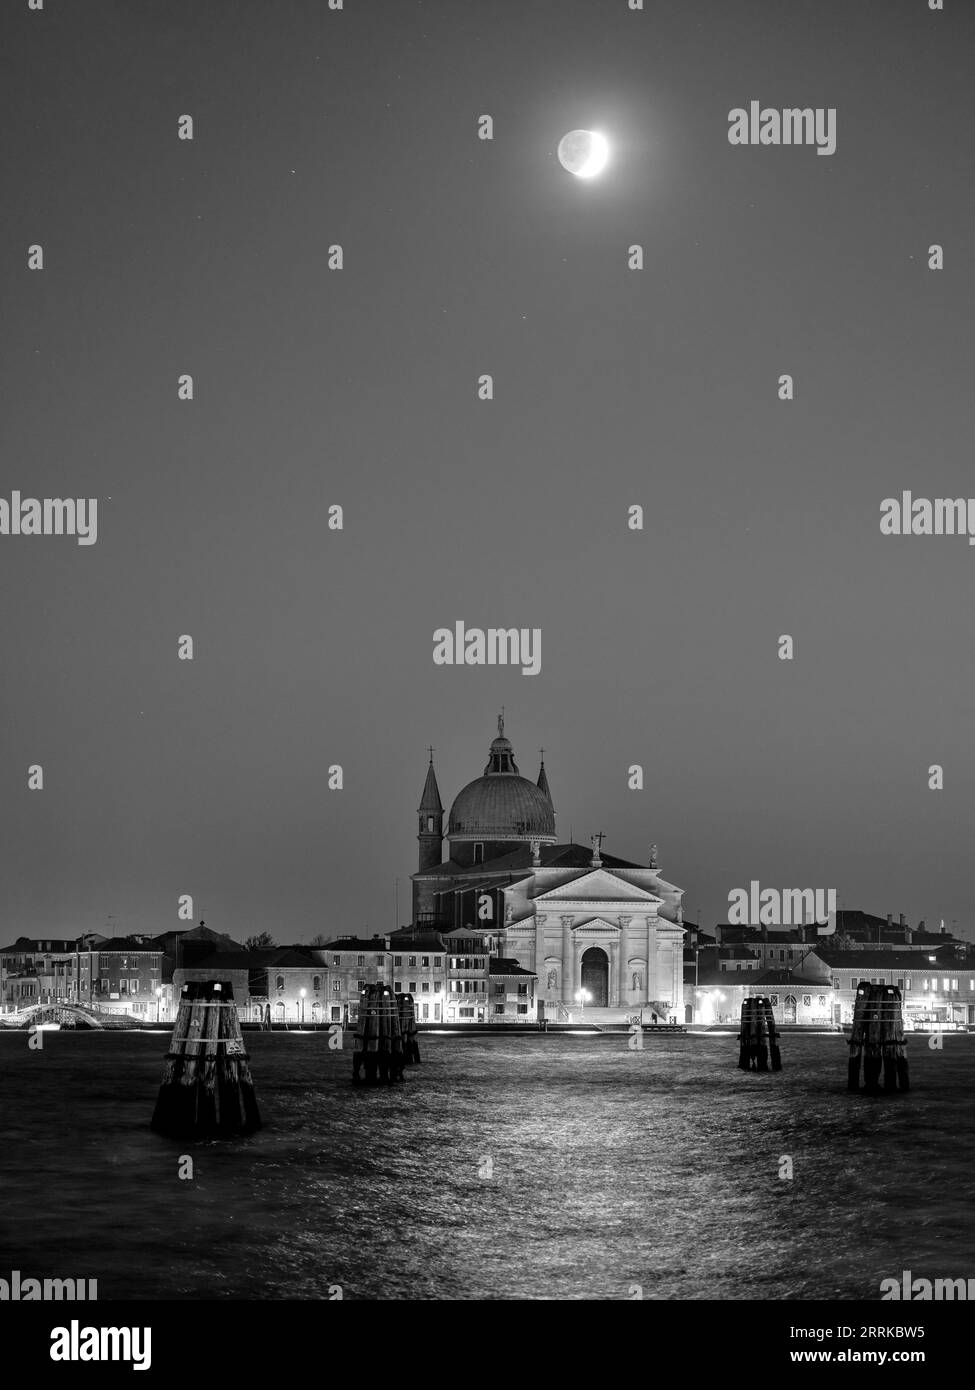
72, 1014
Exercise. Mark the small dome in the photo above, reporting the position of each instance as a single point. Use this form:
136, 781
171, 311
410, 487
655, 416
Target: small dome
502, 805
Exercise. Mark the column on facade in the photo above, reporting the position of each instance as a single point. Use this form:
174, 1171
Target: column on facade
651, 981
568, 962
624, 951
576, 967
540, 954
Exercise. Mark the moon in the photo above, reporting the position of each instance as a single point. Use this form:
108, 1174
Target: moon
584, 153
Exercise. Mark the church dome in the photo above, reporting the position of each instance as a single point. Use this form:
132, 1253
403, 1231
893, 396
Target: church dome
502, 805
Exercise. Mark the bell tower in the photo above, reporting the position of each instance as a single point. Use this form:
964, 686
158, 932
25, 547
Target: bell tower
430, 812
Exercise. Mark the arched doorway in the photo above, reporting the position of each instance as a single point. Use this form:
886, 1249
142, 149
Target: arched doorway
790, 1009
595, 977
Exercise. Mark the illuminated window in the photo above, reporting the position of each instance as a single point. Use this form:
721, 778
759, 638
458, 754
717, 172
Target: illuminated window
954, 984
336, 960
412, 960
336, 987
426, 961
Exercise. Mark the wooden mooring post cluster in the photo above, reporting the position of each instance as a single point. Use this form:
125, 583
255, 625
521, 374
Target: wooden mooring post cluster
206, 1091
758, 1037
385, 1036
878, 1040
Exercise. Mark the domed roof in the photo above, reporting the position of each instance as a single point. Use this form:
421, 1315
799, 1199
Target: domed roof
502, 805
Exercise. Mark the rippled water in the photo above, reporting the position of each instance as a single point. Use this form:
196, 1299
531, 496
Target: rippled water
609, 1168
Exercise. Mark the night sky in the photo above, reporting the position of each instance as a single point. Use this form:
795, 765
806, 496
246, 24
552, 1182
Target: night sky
358, 387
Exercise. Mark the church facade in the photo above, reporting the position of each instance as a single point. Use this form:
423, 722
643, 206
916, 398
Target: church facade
595, 929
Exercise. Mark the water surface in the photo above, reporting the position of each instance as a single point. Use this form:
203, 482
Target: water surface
540, 1167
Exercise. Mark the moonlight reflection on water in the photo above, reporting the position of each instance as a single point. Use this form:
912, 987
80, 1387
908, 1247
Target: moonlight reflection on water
538, 1167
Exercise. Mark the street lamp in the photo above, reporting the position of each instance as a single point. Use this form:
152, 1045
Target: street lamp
158, 1001
582, 999
303, 993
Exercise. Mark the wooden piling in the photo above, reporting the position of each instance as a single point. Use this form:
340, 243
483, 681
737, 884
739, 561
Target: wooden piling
206, 1091
877, 1040
758, 1038
408, 1028
378, 1043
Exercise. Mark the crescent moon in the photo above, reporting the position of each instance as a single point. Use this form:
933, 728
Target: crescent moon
584, 153
598, 156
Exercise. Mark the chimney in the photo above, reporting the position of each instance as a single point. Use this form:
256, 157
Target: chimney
902, 921
921, 925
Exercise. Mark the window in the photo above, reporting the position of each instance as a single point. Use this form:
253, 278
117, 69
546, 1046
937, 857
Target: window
522, 1008
437, 987
424, 988
133, 986
853, 982
954, 985
774, 1000
924, 984
412, 960
478, 854
499, 989
821, 999
336, 1012
316, 982
946, 985
379, 960
429, 825
361, 984
806, 1001
360, 960
436, 1013
426, 962
398, 986
123, 986
336, 987
523, 989
336, 960
907, 981
280, 982
397, 960
499, 1008
426, 1013
466, 1013
438, 959
413, 986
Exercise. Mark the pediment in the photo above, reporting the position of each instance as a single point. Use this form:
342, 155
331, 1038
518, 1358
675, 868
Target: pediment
597, 925
598, 886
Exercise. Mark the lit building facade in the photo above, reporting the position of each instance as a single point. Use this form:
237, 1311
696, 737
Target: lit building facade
588, 925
